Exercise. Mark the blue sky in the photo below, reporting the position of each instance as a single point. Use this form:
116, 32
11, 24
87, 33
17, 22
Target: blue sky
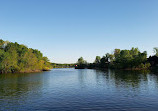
64, 30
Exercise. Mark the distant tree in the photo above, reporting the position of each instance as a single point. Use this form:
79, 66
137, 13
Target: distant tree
156, 51
129, 58
1, 42
104, 61
81, 61
111, 57
117, 53
97, 60
153, 60
122, 59
134, 51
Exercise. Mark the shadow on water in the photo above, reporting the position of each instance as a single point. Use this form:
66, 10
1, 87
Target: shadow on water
18, 88
120, 88
126, 78
120, 78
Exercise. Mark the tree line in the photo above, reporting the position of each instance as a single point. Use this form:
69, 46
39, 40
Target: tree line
19, 58
122, 59
57, 65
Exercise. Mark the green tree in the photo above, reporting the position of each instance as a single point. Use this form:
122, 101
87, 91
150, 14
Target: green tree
104, 61
18, 58
117, 53
81, 61
156, 51
1, 43
97, 60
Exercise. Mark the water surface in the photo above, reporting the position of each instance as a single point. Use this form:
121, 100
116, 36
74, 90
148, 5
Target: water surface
79, 90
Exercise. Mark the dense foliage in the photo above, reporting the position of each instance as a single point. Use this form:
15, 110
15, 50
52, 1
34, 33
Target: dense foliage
81, 63
156, 51
121, 59
18, 58
57, 65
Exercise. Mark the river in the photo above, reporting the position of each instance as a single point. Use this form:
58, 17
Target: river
79, 90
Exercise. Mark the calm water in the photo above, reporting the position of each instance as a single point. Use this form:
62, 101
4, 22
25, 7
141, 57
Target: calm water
79, 90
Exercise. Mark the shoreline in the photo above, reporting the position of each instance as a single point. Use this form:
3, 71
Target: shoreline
127, 69
32, 71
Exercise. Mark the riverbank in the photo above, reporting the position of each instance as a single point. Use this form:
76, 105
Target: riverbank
16, 57
34, 71
132, 59
30, 71
125, 69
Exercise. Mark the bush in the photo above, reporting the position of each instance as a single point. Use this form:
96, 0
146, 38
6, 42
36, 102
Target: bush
141, 66
147, 65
